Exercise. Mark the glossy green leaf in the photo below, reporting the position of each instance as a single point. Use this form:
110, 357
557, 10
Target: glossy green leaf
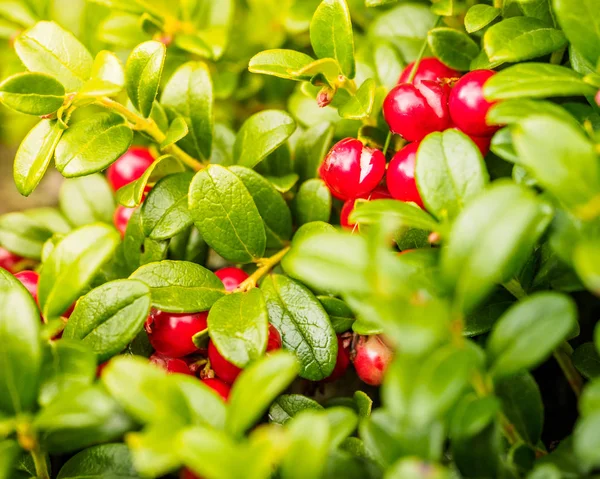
303, 324
193, 43
449, 172
226, 215
142, 74
388, 63
587, 360
480, 16
188, 246
92, 144
579, 19
48, 48
138, 249
311, 148
340, 314
9, 453
107, 76
312, 202
108, 461
360, 105
585, 441
331, 34
483, 317
32, 93
34, 155
587, 264
72, 265
177, 130
88, 199
206, 405
286, 406
454, 48
280, 63
180, 286
407, 214
512, 111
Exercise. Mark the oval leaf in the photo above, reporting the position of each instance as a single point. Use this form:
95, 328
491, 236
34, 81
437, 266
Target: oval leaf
313, 202
32, 93
280, 63
142, 74
454, 48
107, 461
86, 200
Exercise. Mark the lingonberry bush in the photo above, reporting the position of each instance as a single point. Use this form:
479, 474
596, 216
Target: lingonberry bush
303, 239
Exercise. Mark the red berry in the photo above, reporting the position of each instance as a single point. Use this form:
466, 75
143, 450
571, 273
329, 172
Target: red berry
372, 359
171, 334
380, 192
8, 260
598, 98
129, 167
429, 69
231, 277
341, 363
187, 474
223, 369
351, 169
468, 107
400, 175
219, 386
415, 111
482, 142
30, 280
171, 365
121, 218
100, 368
274, 340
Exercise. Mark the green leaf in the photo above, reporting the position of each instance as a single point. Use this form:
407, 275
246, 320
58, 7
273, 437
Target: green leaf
193, 43
260, 135
107, 77
34, 155
226, 215
190, 93
454, 48
331, 34
21, 357
587, 264
72, 266
271, 206
280, 63
9, 453
109, 317
312, 202
483, 317
139, 250
536, 80
521, 38
206, 405
579, 19
92, 144
388, 63
587, 360
32, 93
413, 468
108, 461
87, 200
480, 16
255, 389
165, 211
340, 314
304, 325
529, 331
142, 74
585, 441
286, 406
360, 106
449, 172
491, 240
406, 214
177, 130
152, 451
238, 326
311, 148
342, 421
512, 111
188, 246
48, 48
65, 364
180, 286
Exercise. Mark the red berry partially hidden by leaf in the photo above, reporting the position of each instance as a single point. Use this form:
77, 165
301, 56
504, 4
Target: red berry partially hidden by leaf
351, 169
274, 340
223, 369
429, 69
231, 277
598, 98
171, 334
219, 386
171, 365
8, 260
121, 218
129, 167
381, 192
468, 107
341, 363
187, 474
30, 280
415, 111
372, 359
400, 175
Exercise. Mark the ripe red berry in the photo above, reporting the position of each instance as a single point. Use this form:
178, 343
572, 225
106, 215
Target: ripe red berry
171, 334
482, 142
129, 167
223, 369
400, 175
100, 368
171, 365
415, 111
8, 260
381, 192
372, 359
222, 388
429, 69
351, 169
598, 98
274, 340
341, 363
30, 280
121, 218
187, 474
468, 107
231, 277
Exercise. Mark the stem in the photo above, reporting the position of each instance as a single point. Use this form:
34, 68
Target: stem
387, 142
266, 265
39, 460
149, 127
557, 56
498, 3
415, 67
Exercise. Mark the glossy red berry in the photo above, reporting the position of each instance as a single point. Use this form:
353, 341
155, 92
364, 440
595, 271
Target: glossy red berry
121, 218
30, 280
429, 69
8, 260
381, 192
415, 111
129, 167
482, 142
223, 369
372, 359
171, 334
171, 365
222, 388
400, 175
274, 340
341, 363
468, 107
351, 169
231, 277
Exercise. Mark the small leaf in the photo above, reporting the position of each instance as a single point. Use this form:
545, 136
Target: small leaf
454, 48
585, 441
311, 148
177, 130
587, 360
286, 406
407, 214
100, 462
92, 144
206, 405
139, 250
193, 43
23, 234
180, 286
142, 73
87, 200
285, 183
340, 314
107, 77
32, 93
326, 70
238, 326
513, 111
312, 202
587, 264
579, 20
280, 63
480, 16
360, 105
